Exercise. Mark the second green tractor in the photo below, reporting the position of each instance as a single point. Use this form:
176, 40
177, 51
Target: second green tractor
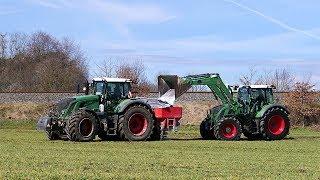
248, 110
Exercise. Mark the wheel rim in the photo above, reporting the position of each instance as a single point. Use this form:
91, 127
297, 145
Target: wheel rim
137, 124
276, 125
229, 130
86, 127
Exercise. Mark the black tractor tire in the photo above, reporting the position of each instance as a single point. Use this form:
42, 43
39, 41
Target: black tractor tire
52, 136
205, 131
106, 137
228, 129
136, 124
275, 124
156, 132
82, 126
251, 136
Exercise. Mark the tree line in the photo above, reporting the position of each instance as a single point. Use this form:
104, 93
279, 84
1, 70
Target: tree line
40, 62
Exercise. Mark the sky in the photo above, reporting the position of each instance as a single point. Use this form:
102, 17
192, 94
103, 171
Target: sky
182, 36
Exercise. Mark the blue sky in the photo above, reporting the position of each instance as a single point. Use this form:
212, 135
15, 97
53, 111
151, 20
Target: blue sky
182, 37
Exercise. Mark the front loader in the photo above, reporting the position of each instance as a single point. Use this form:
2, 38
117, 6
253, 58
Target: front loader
252, 111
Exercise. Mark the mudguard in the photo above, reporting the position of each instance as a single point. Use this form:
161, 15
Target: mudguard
43, 123
129, 102
267, 107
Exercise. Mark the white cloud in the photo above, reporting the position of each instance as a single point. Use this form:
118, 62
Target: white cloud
284, 49
130, 12
47, 3
6, 10
120, 14
291, 45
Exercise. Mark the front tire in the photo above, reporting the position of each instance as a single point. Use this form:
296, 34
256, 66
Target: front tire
52, 136
275, 124
228, 129
136, 124
205, 130
82, 126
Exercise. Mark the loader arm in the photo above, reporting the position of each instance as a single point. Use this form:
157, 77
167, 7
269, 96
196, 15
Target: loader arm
182, 84
214, 83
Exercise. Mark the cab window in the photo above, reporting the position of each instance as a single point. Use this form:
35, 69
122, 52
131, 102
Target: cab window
243, 95
99, 88
126, 89
118, 90
269, 95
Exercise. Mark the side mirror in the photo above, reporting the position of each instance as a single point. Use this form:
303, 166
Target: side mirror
83, 88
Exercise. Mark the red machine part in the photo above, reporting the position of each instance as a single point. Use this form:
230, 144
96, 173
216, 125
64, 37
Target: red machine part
169, 117
172, 112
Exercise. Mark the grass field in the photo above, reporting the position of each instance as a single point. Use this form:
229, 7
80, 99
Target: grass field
28, 154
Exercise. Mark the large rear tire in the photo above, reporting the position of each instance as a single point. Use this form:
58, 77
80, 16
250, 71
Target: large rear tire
275, 124
228, 129
205, 130
136, 124
82, 126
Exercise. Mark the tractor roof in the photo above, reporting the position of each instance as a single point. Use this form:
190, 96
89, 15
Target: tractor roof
262, 86
111, 79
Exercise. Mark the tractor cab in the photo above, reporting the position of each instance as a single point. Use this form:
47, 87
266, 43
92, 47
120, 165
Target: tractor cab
112, 88
255, 96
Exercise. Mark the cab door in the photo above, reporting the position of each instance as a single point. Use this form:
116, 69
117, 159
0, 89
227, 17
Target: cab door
115, 93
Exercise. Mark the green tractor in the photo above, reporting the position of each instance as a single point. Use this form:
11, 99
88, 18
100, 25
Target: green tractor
110, 112
252, 112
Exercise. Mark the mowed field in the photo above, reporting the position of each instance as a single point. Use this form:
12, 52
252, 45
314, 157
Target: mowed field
28, 154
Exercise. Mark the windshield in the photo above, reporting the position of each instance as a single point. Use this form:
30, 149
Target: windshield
243, 95
99, 88
118, 90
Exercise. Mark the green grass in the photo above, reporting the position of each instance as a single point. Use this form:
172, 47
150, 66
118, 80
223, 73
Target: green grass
28, 154
18, 124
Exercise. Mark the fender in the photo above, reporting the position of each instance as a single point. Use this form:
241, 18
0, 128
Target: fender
267, 107
121, 107
88, 110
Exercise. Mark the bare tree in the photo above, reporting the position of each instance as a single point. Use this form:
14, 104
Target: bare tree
283, 79
303, 103
3, 46
41, 62
136, 72
107, 67
249, 78
17, 44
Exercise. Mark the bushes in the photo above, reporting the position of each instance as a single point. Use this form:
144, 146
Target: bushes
303, 103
